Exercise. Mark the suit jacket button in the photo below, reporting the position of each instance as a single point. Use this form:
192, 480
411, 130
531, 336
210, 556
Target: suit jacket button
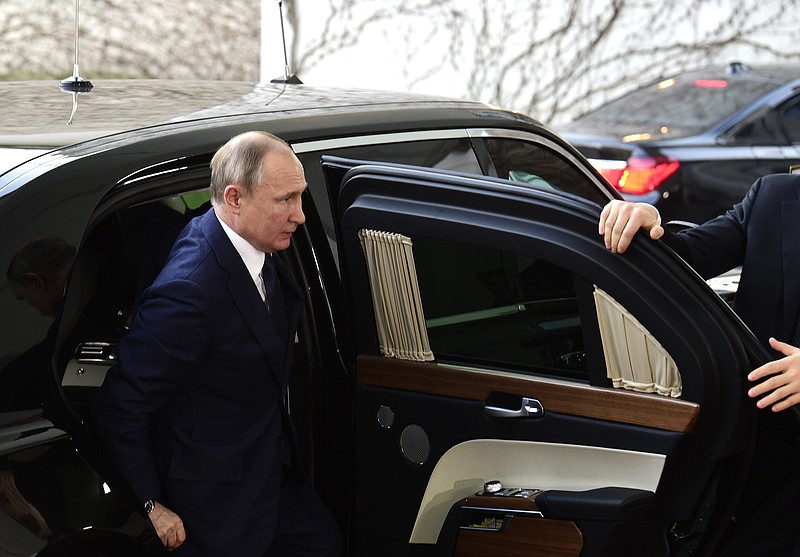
280, 440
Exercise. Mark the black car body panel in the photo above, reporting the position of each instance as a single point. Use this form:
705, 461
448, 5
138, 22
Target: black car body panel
511, 274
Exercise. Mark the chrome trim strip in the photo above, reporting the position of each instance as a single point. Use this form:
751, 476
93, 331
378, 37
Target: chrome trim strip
378, 139
499, 510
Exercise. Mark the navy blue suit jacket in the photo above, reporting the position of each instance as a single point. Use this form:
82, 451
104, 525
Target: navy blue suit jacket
192, 414
762, 234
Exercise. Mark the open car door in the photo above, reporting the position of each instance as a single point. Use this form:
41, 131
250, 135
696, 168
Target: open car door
520, 389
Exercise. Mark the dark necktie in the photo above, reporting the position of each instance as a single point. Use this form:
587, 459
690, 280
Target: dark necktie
274, 295
270, 276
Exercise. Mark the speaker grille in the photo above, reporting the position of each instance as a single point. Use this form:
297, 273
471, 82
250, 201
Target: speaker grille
385, 417
415, 445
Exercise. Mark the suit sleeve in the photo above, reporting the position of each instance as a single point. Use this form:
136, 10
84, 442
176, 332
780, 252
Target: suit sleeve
168, 336
719, 244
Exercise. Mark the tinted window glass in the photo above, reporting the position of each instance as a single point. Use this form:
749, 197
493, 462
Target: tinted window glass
678, 106
484, 306
446, 154
757, 129
769, 126
535, 165
790, 121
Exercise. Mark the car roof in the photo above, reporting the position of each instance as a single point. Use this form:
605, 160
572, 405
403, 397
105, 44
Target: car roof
37, 113
780, 73
39, 117
190, 117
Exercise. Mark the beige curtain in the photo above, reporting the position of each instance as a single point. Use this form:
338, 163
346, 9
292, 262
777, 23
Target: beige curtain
634, 358
395, 296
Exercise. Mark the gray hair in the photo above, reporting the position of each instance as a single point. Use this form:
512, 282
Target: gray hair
240, 162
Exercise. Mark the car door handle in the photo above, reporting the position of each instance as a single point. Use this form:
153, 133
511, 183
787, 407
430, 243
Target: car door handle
529, 408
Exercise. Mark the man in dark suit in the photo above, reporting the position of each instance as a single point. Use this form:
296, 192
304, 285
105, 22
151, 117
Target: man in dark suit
762, 234
193, 414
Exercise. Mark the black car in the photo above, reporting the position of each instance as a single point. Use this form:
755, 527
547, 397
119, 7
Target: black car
693, 143
474, 372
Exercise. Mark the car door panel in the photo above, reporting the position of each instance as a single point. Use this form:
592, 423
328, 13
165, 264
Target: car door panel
554, 468
464, 443
439, 409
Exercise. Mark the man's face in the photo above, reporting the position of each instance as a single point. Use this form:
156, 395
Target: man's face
38, 293
269, 216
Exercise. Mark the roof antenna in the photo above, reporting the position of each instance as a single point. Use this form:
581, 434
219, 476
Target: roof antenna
75, 84
287, 76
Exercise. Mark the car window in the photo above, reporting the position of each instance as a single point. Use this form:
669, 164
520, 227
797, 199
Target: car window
485, 306
769, 126
469, 304
683, 105
445, 154
789, 119
540, 167
757, 129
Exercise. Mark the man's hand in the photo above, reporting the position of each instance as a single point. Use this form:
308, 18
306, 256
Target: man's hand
168, 525
783, 383
621, 220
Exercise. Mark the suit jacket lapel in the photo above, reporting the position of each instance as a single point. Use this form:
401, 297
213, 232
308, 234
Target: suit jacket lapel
245, 295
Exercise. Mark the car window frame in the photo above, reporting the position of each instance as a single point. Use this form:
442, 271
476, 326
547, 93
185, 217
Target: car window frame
477, 137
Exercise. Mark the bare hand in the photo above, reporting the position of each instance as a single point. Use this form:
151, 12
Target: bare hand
621, 220
168, 525
783, 383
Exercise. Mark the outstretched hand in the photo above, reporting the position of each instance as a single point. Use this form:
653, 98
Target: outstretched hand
782, 379
621, 220
168, 525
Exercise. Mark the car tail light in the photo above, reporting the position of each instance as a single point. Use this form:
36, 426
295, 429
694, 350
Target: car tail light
637, 175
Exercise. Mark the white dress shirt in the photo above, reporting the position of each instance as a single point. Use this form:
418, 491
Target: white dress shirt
253, 258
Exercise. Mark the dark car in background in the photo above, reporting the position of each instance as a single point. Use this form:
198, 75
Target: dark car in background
474, 372
693, 143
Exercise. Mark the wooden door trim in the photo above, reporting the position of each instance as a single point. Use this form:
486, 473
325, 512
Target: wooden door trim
603, 403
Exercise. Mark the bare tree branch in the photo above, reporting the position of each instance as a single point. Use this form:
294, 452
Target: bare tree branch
549, 59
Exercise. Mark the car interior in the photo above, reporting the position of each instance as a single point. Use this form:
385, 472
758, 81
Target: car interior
119, 258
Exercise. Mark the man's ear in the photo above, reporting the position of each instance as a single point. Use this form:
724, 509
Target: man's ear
232, 196
34, 279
